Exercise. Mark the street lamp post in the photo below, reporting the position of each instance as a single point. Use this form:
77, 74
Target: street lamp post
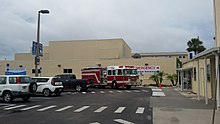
37, 57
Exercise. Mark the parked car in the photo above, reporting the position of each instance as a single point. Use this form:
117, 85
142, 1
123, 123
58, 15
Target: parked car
48, 85
16, 86
70, 82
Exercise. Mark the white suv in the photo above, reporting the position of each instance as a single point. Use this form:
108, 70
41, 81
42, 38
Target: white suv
16, 86
48, 85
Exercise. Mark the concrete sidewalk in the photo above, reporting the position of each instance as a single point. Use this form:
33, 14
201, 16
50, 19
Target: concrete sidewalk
175, 108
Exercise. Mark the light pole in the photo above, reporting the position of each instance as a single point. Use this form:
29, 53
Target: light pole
37, 57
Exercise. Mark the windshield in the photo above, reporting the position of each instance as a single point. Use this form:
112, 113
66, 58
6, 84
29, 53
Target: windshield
130, 71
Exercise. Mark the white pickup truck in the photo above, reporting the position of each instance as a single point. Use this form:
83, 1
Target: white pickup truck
16, 86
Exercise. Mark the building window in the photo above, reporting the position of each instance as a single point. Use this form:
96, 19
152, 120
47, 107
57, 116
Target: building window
67, 71
184, 56
33, 71
180, 57
194, 73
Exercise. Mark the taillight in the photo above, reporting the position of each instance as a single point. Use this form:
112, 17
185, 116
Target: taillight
53, 82
18, 80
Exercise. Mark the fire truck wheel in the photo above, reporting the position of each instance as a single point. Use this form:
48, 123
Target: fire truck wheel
114, 85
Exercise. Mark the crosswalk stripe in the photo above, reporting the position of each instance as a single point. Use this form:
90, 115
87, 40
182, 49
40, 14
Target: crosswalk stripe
81, 109
158, 94
14, 107
101, 109
140, 110
31, 107
9, 105
95, 123
121, 121
119, 91
64, 108
156, 90
92, 92
120, 110
102, 92
46, 108
128, 91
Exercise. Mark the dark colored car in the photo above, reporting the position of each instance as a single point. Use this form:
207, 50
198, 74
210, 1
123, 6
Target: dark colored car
69, 81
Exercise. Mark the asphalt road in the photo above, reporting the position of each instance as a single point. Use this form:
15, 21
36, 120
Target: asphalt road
97, 106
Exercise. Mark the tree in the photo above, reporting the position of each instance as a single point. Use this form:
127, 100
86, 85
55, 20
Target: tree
173, 78
195, 45
157, 77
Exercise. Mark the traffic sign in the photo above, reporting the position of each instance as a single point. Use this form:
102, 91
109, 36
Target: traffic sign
34, 49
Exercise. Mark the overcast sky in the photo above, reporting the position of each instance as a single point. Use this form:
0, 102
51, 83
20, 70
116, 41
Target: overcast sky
146, 25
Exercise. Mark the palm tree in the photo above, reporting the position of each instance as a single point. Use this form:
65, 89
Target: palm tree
195, 45
160, 75
173, 78
157, 77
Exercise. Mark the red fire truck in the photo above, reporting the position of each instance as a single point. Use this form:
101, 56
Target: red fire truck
113, 76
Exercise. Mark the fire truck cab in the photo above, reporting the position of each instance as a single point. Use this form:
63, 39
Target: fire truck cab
113, 76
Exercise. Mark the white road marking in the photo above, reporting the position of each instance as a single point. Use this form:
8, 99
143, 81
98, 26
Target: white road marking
119, 91
145, 91
8, 105
158, 94
95, 123
123, 121
102, 92
140, 110
46, 108
64, 108
110, 91
81, 109
128, 91
83, 92
3, 104
101, 109
31, 107
93, 92
120, 110
156, 89
14, 107
75, 93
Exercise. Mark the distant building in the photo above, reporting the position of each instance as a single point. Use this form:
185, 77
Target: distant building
71, 56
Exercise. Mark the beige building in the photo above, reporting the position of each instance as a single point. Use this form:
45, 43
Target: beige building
202, 72
72, 56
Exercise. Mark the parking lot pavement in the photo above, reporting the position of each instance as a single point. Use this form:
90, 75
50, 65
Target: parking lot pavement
97, 106
175, 108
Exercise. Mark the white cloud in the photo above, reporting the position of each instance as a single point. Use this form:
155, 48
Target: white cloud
146, 25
